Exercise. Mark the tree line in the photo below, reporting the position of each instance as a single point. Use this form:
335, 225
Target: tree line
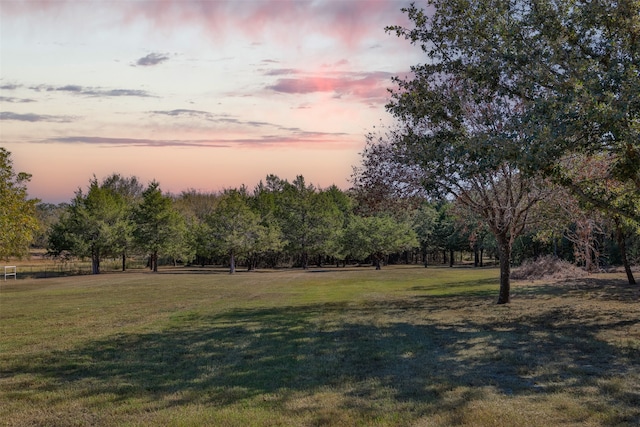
277, 223
281, 223
295, 224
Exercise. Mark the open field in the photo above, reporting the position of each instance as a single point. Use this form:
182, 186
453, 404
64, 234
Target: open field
338, 347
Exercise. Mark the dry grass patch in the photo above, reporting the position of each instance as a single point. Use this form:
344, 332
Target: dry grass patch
547, 267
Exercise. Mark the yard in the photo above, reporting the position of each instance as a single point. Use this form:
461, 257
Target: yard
335, 346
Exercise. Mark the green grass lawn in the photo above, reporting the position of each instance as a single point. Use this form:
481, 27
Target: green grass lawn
337, 346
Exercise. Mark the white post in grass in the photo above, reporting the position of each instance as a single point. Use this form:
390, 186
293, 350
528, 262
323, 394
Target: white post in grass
8, 272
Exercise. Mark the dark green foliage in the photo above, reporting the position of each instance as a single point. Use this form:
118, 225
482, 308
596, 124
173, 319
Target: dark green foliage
234, 229
510, 91
310, 220
159, 226
563, 75
376, 237
94, 225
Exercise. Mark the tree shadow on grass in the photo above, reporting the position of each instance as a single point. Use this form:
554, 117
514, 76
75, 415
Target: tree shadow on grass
358, 350
471, 288
590, 287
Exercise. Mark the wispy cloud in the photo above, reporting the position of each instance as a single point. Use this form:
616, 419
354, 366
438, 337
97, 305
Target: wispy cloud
152, 59
134, 142
317, 139
68, 88
183, 112
30, 117
225, 119
282, 72
10, 86
15, 100
120, 92
92, 91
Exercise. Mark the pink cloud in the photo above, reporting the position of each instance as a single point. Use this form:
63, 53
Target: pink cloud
349, 22
360, 85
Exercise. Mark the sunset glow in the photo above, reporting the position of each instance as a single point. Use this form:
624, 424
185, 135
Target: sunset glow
198, 95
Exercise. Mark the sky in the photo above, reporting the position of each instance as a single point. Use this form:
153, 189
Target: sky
197, 95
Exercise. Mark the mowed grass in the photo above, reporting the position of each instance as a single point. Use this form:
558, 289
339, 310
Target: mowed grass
336, 346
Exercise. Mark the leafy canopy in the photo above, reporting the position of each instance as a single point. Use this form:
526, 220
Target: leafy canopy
562, 76
18, 222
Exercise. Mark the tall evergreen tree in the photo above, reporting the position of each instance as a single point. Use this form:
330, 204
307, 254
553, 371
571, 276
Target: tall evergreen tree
235, 229
92, 225
310, 220
130, 190
159, 226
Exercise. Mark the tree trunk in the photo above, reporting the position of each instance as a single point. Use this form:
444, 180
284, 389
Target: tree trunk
451, 258
124, 261
232, 263
154, 261
376, 260
504, 248
476, 256
622, 244
95, 262
588, 264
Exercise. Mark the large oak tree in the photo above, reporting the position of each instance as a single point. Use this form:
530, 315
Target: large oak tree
573, 66
508, 90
